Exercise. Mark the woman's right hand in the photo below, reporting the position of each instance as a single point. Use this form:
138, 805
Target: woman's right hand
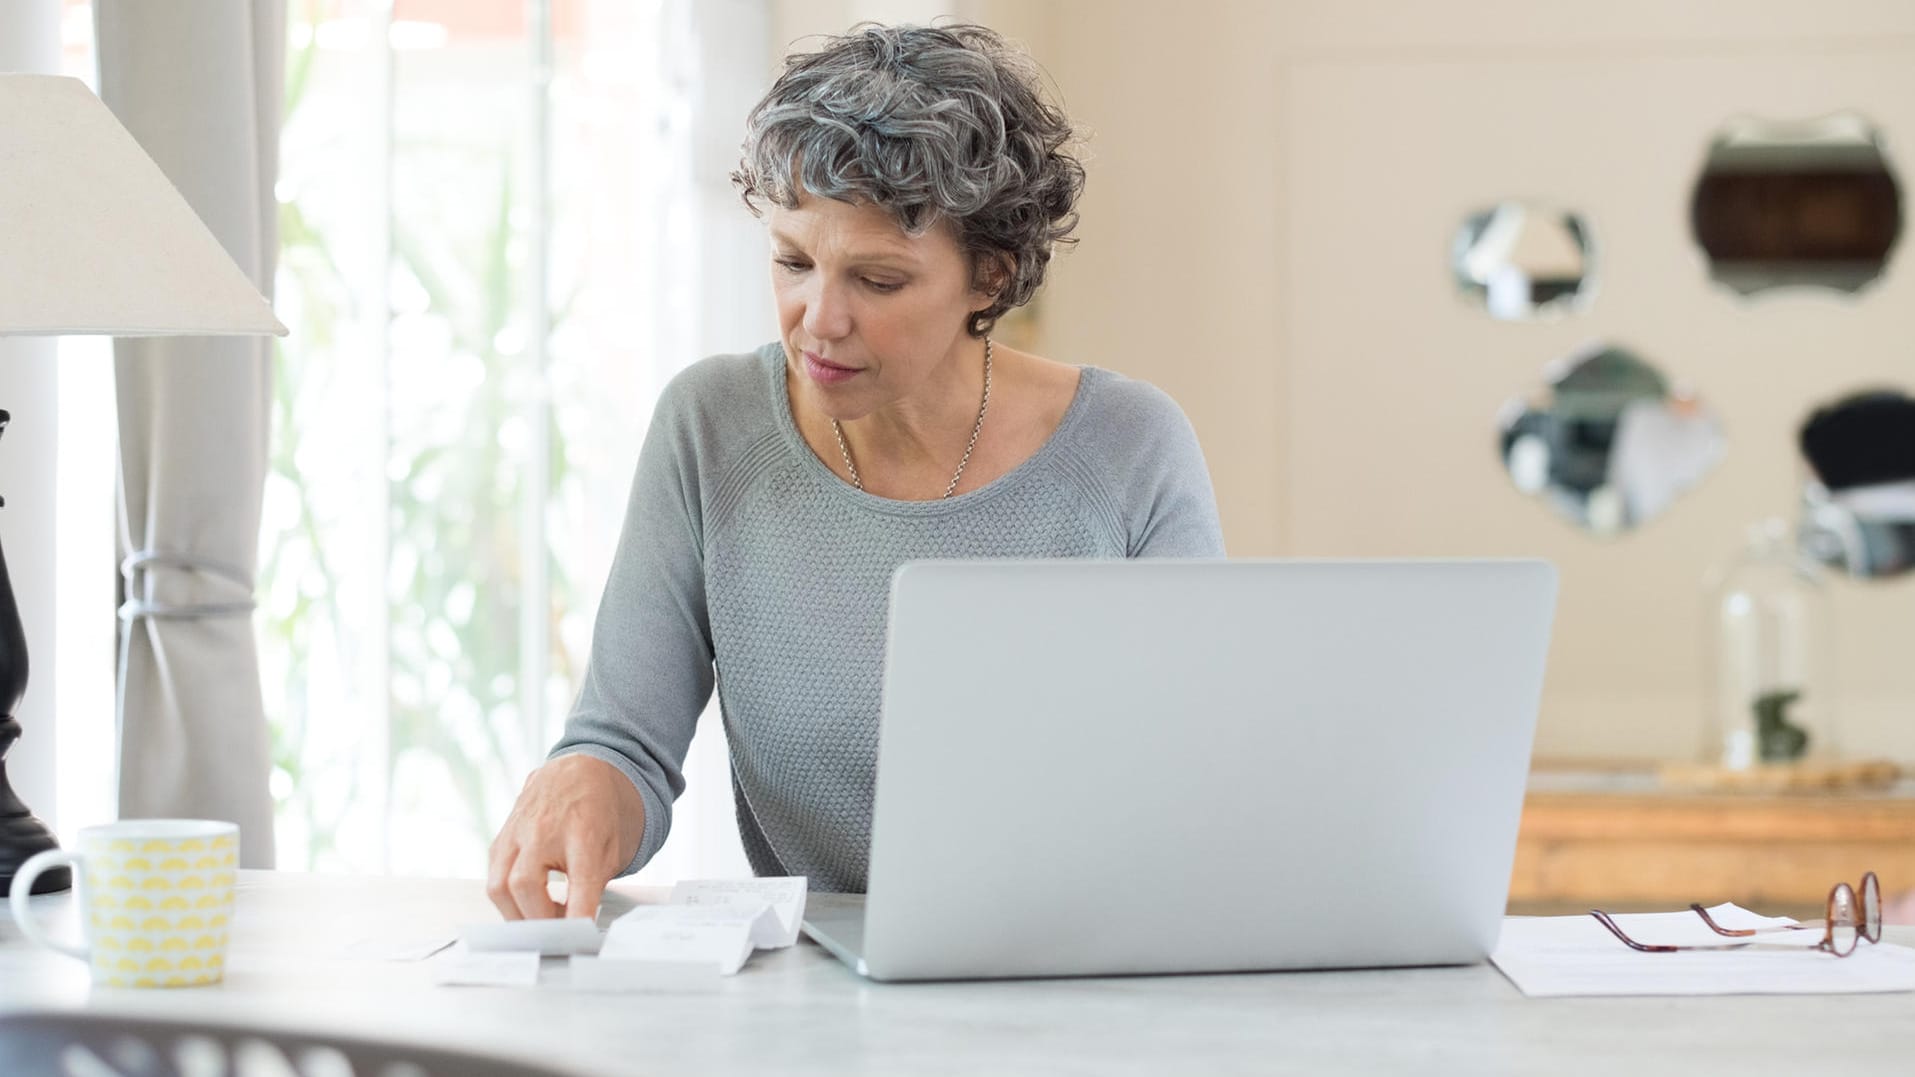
577, 814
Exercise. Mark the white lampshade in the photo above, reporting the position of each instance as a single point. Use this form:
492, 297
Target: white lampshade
94, 238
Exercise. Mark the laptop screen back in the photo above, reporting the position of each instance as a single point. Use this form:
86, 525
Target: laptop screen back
1159, 766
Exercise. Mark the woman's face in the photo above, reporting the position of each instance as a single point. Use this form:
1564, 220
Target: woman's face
870, 316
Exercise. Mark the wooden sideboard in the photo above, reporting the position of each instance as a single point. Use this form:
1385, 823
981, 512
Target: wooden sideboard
1617, 837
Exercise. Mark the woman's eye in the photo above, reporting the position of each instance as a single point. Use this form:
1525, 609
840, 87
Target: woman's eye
882, 286
789, 265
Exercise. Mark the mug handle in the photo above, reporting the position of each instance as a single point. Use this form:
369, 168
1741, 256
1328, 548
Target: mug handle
23, 909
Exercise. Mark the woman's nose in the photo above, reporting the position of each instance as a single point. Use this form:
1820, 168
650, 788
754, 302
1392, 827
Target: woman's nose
826, 315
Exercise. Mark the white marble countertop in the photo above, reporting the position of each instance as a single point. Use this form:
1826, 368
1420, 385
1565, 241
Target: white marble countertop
800, 1011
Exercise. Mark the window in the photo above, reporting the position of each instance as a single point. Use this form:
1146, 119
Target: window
459, 406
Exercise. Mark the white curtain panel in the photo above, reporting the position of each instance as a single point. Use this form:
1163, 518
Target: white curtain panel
199, 83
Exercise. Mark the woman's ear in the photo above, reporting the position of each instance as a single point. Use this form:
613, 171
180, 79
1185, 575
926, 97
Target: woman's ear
992, 276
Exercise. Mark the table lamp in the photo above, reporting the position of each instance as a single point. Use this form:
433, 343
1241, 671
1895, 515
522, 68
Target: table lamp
93, 240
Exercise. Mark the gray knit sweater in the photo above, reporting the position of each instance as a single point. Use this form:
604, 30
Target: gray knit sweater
745, 561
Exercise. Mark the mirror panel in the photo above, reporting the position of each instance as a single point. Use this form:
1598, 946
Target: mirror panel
1521, 262
1796, 204
1858, 511
1606, 443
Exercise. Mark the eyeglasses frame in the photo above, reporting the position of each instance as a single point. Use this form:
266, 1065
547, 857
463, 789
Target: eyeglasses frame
1841, 895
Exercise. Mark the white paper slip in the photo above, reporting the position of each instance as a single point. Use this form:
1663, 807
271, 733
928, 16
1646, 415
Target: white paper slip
672, 977
785, 895
1556, 956
397, 949
760, 919
715, 938
510, 969
552, 938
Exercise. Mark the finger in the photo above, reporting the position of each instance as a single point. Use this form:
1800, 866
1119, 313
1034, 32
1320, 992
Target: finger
527, 881
583, 887
498, 869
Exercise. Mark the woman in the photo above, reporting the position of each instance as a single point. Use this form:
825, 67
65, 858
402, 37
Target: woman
914, 183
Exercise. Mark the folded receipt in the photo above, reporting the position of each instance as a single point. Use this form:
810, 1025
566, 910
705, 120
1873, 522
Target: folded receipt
707, 925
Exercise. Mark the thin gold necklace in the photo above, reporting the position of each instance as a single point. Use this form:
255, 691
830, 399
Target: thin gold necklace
982, 407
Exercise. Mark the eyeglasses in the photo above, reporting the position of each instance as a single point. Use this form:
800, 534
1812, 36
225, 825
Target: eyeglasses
1841, 928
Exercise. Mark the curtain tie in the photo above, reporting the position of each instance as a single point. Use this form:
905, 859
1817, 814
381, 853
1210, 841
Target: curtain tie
136, 608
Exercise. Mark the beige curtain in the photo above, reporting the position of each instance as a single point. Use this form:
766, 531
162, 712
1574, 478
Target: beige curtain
199, 83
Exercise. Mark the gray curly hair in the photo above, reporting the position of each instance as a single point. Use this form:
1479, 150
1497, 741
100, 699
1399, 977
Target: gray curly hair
928, 123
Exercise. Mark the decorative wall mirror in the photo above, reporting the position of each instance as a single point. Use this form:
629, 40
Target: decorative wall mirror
1803, 204
1859, 509
1522, 261
1606, 443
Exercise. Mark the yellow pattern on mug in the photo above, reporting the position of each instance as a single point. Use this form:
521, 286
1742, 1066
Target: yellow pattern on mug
158, 897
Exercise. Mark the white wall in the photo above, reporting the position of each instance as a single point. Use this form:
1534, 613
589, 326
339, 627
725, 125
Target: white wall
1273, 189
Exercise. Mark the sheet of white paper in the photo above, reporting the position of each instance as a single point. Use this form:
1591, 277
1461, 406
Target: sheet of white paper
760, 919
1555, 956
552, 938
614, 974
717, 938
397, 948
785, 895
767, 933
508, 969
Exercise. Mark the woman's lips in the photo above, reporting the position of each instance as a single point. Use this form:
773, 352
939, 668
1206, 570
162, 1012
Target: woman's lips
826, 373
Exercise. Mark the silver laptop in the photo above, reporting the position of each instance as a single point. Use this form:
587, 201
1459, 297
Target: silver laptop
1109, 767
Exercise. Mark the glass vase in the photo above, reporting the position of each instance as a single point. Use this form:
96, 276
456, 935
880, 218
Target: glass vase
1770, 655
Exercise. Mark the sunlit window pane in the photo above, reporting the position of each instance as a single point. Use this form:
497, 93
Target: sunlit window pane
450, 463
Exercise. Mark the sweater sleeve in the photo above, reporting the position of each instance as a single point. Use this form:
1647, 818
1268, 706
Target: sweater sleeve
1167, 503
650, 671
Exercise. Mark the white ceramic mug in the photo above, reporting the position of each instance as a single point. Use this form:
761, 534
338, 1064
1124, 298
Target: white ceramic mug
156, 900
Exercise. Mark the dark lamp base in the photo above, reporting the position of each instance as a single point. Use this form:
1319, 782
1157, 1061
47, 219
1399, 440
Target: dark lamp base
21, 836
